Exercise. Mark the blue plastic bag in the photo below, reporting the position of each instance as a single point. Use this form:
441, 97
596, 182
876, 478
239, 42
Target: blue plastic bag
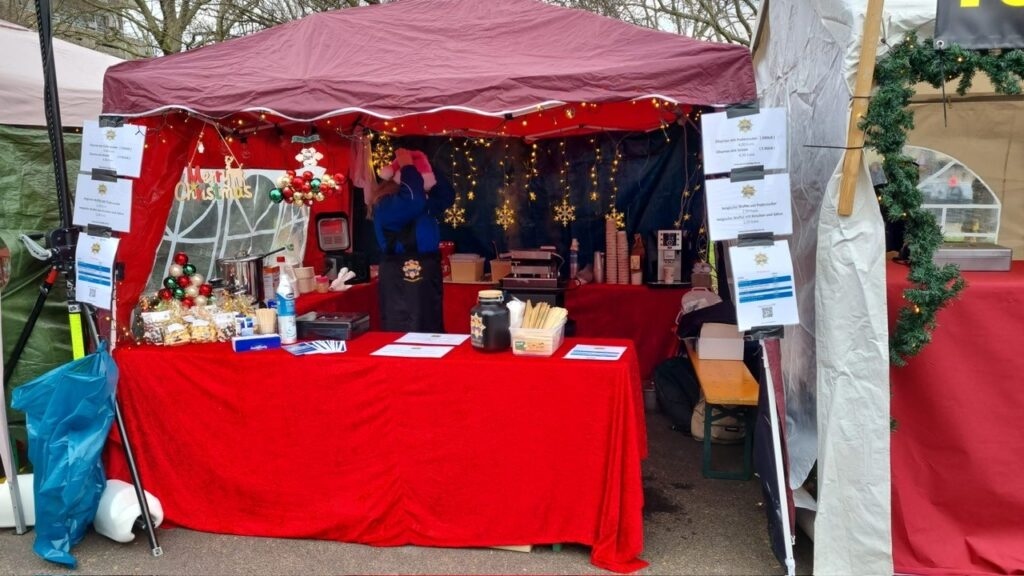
68, 414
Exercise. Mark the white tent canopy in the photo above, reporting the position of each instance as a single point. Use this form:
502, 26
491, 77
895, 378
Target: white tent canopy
79, 78
836, 362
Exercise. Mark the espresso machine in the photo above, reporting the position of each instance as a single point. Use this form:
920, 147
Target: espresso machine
670, 257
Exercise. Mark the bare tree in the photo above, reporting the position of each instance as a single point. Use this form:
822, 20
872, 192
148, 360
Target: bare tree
718, 20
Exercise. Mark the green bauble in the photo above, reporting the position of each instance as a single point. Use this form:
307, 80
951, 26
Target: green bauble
171, 282
276, 195
188, 269
179, 293
315, 183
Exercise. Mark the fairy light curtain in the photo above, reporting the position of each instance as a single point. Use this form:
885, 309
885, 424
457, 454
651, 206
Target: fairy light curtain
511, 193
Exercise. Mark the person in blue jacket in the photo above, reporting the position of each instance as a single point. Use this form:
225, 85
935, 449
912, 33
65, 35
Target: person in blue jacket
405, 220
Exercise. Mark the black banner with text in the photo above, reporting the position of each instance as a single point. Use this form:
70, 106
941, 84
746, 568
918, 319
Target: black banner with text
980, 24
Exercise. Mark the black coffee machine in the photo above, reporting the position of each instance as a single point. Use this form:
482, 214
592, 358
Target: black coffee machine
334, 239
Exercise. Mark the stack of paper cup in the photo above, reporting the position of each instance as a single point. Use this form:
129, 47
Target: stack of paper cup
611, 271
266, 321
622, 257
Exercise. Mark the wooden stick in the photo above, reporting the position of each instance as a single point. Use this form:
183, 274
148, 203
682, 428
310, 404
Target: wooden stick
861, 93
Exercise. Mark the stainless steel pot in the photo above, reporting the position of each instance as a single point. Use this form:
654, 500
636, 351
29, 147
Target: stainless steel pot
244, 274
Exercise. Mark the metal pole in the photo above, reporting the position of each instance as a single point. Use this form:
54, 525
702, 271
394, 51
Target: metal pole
19, 347
7, 456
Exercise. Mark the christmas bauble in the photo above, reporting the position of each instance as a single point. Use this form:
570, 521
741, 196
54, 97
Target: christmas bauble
307, 175
290, 173
175, 270
165, 294
305, 187
187, 302
288, 193
315, 183
283, 182
192, 291
276, 196
339, 177
205, 290
201, 300
179, 293
181, 258
319, 197
189, 270
297, 182
170, 282
197, 279
183, 281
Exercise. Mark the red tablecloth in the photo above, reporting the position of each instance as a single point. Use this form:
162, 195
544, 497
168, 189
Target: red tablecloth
958, 452
470, 450
638, 313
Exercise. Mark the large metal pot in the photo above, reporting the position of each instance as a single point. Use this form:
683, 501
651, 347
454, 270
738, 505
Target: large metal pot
244, 274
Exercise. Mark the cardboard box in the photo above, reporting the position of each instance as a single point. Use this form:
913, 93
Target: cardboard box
720, 342
467, 267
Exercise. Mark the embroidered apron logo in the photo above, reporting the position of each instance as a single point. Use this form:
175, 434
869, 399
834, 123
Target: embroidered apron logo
412, 270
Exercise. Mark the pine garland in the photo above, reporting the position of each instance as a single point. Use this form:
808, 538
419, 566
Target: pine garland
886, 124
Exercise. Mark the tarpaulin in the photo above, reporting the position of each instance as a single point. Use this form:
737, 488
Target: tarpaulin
28, 205
419, 57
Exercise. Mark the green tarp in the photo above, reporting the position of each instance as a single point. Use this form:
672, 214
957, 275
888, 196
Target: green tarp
28, 203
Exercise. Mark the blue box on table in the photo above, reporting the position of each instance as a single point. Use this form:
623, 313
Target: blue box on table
254, 343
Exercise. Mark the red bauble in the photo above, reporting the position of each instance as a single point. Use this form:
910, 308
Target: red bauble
339, 178
181, 258
183, 281
297, 182
306, 187
165, 294
307, 175
290, 173
205, 289
188, 302
288, 193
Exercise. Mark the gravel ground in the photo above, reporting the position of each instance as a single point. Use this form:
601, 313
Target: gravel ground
691, 526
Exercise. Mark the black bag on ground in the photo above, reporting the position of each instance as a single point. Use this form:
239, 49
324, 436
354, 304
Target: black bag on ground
677, 391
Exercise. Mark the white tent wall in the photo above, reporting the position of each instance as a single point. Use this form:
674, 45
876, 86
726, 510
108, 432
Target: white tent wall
836, 361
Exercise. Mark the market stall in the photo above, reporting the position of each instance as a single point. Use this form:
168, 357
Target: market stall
332, 95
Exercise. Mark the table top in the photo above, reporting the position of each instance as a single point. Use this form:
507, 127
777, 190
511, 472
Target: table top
724, 382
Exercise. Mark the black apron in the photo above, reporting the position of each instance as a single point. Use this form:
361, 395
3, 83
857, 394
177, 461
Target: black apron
411, 286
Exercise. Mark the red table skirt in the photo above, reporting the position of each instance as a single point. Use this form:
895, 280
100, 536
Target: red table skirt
958, 452
638, 313
469, 450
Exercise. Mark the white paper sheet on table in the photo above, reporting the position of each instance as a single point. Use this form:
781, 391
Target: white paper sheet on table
411, 351
765, 289
590, 352
94, 270
433, 339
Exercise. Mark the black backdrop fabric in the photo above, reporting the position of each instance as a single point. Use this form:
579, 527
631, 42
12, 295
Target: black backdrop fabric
654, 170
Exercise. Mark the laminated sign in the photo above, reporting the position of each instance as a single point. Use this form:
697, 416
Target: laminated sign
980, 24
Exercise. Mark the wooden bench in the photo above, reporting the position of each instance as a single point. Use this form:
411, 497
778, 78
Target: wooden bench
729, 390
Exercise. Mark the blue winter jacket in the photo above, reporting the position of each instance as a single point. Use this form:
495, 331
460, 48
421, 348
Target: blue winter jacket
410, 205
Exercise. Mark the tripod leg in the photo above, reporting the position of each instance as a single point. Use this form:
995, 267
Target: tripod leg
26, 332
129, 455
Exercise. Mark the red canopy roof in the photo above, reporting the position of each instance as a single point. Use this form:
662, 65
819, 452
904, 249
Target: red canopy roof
433, 63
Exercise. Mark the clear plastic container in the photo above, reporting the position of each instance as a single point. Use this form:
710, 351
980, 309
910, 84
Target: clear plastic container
537, 342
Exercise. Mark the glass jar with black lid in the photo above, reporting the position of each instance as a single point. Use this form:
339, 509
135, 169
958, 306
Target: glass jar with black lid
489, 322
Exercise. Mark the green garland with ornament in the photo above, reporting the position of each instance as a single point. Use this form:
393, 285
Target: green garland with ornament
886, 124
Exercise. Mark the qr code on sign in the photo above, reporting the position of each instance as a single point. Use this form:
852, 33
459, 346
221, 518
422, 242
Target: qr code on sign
767, 312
